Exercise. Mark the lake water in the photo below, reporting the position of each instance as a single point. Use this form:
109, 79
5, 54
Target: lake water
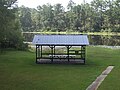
107, 40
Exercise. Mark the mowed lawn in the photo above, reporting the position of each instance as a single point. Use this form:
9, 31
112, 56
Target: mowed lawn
18, 71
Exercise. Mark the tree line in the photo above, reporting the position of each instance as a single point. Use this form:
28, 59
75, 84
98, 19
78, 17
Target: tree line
10, 29
97, 16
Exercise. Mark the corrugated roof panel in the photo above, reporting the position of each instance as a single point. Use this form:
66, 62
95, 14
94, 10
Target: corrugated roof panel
61, 40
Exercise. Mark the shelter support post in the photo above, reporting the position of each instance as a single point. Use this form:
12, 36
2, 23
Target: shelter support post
52, 52
41, 52
83, 53
68, 48
36, 53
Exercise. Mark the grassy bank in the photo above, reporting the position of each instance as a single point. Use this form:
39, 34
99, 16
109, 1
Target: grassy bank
18, 71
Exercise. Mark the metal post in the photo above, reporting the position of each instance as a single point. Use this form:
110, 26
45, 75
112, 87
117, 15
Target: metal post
51, 53
84, 54
36, 53
81, 52
41, 51
68, 52
54, 50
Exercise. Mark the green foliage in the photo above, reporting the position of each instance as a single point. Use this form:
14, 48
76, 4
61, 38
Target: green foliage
10, 34
97, 16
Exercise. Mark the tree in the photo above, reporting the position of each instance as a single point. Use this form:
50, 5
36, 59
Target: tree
46, 16
97, 16
58, 9
25, 18
99, 7
59, 17
10, 35
35, 20
70, 5
114, 15
71, 14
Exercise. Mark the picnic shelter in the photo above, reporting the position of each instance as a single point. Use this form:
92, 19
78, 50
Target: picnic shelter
74, 48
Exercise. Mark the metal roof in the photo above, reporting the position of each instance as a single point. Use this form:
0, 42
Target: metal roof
61, 40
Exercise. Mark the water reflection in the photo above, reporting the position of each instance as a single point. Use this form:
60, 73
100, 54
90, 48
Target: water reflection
104, 40
108, 40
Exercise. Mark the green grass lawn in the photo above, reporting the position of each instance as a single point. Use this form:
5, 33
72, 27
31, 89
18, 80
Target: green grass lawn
18, 71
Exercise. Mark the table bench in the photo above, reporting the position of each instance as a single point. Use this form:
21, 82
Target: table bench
62, 56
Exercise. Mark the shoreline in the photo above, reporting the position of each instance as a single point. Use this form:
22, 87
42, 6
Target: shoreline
102, 46
88, 33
